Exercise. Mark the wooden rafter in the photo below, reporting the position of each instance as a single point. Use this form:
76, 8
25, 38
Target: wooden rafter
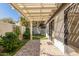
35, 11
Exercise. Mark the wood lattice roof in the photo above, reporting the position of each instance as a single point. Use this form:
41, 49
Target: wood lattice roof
36, 11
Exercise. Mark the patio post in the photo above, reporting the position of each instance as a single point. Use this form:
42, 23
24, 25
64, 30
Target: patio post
30, 30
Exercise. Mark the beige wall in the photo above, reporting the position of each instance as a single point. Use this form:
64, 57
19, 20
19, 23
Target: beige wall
58, 32
5, 27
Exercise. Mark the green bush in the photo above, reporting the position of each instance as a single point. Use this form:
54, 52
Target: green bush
26, 34
1, 41
17, 30
11, 41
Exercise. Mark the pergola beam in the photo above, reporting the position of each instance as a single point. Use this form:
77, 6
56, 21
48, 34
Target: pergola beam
39, 13
34, 8
33, 19
39, 16
39, 10
17, 8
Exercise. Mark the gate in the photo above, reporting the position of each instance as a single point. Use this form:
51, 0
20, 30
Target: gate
71, 25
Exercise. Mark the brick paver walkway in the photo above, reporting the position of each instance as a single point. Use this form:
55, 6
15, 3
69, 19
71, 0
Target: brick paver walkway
38, 48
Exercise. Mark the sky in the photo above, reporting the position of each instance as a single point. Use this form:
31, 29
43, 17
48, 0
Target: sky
6, 11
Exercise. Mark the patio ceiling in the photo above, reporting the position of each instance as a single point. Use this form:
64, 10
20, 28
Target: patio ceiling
36, 11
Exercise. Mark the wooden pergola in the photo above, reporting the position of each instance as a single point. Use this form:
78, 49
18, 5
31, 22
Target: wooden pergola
36, 11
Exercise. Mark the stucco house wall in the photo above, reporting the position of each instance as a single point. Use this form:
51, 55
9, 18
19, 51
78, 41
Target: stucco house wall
58, 33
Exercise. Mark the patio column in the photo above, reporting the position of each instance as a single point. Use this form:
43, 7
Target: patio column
47, 31
30, 30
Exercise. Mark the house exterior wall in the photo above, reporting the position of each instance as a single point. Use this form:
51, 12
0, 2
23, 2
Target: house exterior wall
58, 33
59, 30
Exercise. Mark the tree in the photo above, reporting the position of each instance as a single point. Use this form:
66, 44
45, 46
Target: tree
8, 20
24, 22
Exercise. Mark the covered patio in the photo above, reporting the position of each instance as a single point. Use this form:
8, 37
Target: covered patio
36, 12
55, 18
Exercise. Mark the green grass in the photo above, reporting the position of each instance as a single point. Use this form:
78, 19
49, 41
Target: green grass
13, 53
39, 36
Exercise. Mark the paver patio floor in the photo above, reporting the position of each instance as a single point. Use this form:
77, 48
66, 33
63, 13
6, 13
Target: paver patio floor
38, 48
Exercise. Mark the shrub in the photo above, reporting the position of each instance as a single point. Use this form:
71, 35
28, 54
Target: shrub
1, 41
26, 34
11, 41
17, 30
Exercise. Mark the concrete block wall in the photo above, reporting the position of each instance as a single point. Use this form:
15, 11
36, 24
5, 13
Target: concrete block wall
5, 27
